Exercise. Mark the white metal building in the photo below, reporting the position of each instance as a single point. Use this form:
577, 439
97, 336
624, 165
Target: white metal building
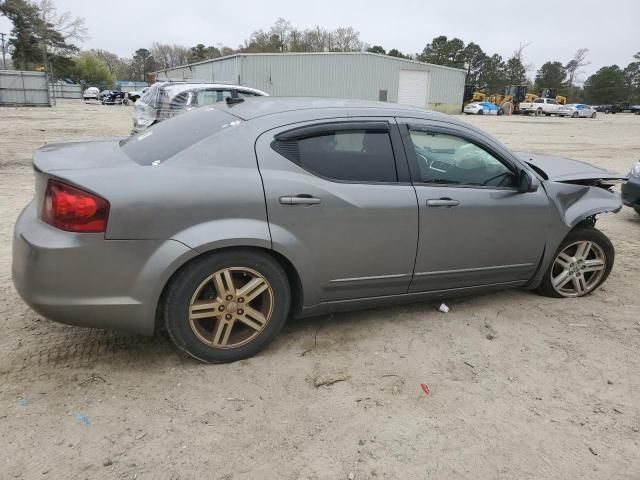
361, 75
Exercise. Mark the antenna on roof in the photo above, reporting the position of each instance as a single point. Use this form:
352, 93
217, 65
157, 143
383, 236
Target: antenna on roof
232, 101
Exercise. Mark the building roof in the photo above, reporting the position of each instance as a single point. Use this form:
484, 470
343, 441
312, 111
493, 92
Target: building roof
387, 57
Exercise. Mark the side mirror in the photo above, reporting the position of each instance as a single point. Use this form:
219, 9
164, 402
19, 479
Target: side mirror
527, 183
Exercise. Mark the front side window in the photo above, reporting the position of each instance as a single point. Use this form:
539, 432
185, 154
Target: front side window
539, 100
346, 155
450, 160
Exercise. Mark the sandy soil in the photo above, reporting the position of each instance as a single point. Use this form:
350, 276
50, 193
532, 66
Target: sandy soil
522, 387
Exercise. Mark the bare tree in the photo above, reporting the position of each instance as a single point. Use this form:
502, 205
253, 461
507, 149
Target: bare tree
346, 39
69, 27
282, 29
572, 67
169, 56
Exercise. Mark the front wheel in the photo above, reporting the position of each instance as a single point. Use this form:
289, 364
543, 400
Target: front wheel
227, 306
539, 112
582, 263
593, 115
480, 112
574, 115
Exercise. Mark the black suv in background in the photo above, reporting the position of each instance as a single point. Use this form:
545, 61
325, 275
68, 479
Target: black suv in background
619, 107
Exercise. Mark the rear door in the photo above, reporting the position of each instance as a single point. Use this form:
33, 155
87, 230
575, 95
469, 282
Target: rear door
475, 227
341, 206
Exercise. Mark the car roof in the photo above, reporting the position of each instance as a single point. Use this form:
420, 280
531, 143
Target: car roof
255, 107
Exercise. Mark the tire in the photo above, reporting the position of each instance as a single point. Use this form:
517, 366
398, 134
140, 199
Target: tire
637, 210
601, 249
196, 282
593, 115
500, 112
480, 112
538, 112
574, 115
606, 110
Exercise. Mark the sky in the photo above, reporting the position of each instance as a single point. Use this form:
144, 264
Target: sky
554, 30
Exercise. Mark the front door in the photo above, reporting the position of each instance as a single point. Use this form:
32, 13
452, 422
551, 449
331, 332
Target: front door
475, 227
338, 208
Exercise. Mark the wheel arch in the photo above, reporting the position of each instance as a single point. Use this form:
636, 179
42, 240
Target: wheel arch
293, 276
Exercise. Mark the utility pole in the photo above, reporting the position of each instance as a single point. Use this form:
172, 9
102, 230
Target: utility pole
4, 61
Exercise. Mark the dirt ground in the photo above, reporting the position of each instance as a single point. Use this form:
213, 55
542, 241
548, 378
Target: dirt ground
521, 386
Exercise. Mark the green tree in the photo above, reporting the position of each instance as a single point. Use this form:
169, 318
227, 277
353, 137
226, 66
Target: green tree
377, 49
493, 75
200, 53
38, 30
24, 42
516, 73
394, 52
442, 51
90, 69
551, 75
606, 85
632, 81
143, 63
474, 59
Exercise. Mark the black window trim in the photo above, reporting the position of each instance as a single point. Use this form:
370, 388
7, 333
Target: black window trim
403, 176
406, 126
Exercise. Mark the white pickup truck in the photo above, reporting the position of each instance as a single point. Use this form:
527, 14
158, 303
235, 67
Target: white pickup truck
546, 106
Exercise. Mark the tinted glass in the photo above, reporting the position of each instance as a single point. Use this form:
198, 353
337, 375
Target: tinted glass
163, 140
352, 155
447, 159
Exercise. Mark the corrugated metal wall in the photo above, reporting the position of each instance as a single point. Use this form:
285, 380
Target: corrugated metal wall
343, 75
21, 88
66, 90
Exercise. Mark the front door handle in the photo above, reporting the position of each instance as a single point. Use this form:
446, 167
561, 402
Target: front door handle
442, 202
299, 200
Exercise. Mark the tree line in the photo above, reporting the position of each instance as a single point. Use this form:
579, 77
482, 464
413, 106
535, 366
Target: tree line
42, 36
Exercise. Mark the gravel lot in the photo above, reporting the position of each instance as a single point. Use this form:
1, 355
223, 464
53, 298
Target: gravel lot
521, 386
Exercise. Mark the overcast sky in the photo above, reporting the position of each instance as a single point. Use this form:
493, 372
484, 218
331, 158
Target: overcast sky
555, 29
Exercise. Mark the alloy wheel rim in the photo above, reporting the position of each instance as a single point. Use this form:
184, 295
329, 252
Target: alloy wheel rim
231, 307
578, 269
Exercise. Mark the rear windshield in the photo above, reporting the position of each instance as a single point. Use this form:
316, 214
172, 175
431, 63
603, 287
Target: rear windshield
163, 140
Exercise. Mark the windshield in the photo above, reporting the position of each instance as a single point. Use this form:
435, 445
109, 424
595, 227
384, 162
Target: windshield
163, 140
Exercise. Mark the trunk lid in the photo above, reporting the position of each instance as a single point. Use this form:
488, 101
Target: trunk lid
80, 154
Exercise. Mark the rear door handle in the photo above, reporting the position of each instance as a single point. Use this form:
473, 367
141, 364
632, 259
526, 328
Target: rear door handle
442, 202
299, 200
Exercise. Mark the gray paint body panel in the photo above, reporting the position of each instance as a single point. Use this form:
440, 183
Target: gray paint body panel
356, 249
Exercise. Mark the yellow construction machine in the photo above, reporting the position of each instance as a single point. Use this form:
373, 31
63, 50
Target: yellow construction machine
552, 93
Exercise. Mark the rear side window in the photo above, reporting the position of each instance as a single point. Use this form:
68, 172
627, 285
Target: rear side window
163, 140
346, 155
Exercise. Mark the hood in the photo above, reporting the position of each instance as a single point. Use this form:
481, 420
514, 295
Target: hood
560, 169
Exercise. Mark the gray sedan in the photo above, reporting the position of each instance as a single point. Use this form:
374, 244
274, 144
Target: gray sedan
220, 224
576, 110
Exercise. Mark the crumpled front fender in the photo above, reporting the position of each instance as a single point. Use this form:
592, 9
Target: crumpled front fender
576, 202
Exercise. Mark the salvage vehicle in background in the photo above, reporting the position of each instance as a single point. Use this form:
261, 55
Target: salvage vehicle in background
168, 99
135, 95
631, 189
90, 93
540, 106
482, 108
576, 110
220, 224
619, 107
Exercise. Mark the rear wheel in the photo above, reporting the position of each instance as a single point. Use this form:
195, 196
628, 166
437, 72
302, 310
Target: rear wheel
480, 112
227, 306
581, 264
593, 115
539, 112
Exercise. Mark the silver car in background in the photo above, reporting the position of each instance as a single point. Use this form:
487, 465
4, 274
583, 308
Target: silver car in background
220, 224
168, 99
576, 110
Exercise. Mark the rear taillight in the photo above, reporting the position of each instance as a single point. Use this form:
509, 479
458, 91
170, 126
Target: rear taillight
74, 210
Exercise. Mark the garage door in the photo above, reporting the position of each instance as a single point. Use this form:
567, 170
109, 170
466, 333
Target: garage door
413, 88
